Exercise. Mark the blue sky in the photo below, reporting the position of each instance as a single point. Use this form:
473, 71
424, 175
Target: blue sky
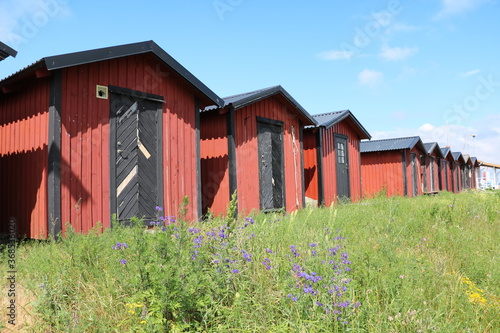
421, 67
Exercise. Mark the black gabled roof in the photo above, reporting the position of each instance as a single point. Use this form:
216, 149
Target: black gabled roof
391, 144
242, 100
430, 147
6, 51
445, 151
329, 119
457, 156
475, 161
113, 52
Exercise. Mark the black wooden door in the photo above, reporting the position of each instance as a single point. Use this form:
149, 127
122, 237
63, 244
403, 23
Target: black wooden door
342, 166
271, 166
136, 152
414, 174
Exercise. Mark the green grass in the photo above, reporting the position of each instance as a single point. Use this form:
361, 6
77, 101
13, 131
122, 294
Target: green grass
426, 264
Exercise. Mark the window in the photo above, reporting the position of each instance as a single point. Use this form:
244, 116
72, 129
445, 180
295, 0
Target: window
340, 153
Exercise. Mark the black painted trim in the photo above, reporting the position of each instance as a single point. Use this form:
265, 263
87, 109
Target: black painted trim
112, 163
405, 178
270, 121
231, 153
199, 203
319, 158
159, 156
135, 94
54, 157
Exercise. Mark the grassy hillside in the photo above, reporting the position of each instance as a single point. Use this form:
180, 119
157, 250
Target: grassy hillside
426, 264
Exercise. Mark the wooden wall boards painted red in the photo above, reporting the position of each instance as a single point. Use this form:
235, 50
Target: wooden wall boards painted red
392, 166
254, 146
457, 171
101, 132
474, 172
432, 172
332, 163
447, 179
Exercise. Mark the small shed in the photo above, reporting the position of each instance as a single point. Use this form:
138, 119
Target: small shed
332, 163
88, 135
447, 183
475, 174
6, 51
392, 166
253, 146
432, 172
458, 171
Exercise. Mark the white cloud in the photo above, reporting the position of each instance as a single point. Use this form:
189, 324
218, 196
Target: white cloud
397, 53
335, 55
456, 7
426, 127
370, 77
22, 19
480, 140
469, 73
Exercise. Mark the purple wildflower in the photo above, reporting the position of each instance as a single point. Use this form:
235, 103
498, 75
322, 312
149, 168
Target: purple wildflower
250, 220
119, 246
235, 271
123, 261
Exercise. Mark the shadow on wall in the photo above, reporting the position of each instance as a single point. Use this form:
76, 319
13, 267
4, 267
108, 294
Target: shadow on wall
24, 194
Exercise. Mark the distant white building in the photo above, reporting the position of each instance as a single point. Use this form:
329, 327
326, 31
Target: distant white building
489, 176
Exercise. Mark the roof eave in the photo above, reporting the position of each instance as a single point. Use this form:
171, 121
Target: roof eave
114, 52
7, 50
271, 92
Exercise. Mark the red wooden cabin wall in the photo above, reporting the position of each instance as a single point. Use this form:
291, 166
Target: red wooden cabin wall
247, 153
86, 137
24, 158
311, 164
214, 162
382, 171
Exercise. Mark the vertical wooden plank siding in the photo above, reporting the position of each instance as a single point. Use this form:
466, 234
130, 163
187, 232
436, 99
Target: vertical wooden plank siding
24, 158
311, 164
214, 162
247, 153
85, 170
419, 168
329, 166
382, 171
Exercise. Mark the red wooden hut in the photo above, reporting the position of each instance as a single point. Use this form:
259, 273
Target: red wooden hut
432, 172
392, 166
90, 134
474, 172
332, 163
253, 146
447, 180
458, 171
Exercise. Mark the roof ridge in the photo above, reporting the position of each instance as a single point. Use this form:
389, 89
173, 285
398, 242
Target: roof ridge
406, 137
251, 92
329, 113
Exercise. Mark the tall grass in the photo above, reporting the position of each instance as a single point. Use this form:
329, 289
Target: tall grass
426, 264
